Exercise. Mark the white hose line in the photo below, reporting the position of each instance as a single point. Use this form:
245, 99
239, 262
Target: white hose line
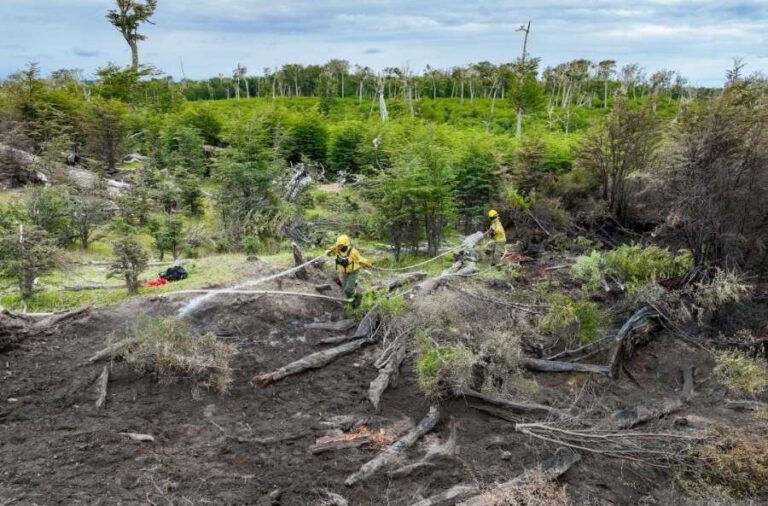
258, 292
420, 263
195, 303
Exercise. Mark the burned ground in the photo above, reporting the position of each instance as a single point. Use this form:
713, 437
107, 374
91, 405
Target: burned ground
58, 448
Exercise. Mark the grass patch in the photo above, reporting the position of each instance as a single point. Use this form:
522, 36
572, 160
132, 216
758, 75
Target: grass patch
637, 265
441, 368
732, 463
579, 320
741, 373
167, 350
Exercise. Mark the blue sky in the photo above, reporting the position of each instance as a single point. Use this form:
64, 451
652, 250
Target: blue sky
698, 38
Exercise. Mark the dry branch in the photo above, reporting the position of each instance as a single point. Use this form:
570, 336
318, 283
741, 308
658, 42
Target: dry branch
313, 361
551, 469
525, 408
640, 324
654, 449
534, 364
388, 456
102, 385
113, 349
332, 443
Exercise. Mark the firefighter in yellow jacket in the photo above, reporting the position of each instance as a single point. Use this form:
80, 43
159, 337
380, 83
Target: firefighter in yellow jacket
497, 238
348, 261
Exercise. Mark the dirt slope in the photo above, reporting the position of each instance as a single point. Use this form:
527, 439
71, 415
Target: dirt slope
56, 447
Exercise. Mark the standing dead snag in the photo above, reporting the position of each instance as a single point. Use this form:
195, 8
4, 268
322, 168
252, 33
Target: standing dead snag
298, 258
629, 336
389, 455
551, 469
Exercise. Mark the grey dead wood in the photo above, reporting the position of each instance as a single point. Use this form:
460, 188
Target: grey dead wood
551, 469
534, 364
393, 452
525, 408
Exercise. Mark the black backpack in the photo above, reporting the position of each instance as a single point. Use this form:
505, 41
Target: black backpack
175, 273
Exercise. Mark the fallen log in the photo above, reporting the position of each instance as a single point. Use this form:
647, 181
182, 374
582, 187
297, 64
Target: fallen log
400, 280
450, 497
525, 408
535, 364
388, 374
338, 326
388, 456
747, 405
323, 287
435, 452
498, 413
551, 469
83, 288
332, 443
629, 336
113, 349
369, 323
336, 339
102, 386
464, 265
313, 361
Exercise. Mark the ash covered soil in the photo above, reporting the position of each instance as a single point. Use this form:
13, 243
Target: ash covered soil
250, 446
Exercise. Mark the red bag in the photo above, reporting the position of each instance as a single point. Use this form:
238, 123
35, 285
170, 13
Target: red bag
156, 282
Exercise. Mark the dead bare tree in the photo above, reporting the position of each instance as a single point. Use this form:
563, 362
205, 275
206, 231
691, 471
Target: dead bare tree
127, 18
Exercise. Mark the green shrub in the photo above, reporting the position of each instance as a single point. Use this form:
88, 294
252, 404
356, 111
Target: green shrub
574, 320
442, 368
636, 265
741, 373
587, 271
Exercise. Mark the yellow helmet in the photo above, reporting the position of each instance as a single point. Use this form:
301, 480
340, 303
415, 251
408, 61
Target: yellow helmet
343, 240
493, 213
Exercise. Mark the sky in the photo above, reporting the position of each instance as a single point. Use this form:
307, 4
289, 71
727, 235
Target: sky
698, 38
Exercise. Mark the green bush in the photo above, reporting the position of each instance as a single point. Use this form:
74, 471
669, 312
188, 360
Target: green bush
442, 368
636, 265
579, 320
587, 271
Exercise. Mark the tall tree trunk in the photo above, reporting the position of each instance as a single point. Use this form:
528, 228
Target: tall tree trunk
134, 54
519, 123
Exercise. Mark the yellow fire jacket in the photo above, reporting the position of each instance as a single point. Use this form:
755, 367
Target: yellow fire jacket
497, 231
353, 257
